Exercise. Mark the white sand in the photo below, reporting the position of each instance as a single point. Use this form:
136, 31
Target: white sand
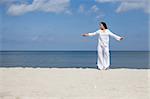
72, 83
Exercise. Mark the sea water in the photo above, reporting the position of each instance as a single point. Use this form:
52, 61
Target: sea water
73, 59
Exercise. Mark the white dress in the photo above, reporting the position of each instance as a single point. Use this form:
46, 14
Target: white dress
103, 60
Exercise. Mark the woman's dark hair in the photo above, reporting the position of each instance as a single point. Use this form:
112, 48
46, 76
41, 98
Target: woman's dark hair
104, 24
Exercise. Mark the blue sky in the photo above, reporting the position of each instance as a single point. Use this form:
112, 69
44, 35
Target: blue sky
58, 24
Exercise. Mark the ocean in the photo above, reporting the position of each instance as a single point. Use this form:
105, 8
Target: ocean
73, 59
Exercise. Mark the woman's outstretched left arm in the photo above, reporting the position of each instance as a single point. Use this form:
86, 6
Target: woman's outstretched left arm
117, 37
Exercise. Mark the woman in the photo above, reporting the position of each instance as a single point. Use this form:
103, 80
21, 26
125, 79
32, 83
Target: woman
103, 60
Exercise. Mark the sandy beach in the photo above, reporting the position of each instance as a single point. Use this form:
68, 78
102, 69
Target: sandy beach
74, 83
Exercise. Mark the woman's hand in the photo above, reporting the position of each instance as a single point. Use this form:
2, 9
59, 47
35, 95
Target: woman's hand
121, 38
86, 34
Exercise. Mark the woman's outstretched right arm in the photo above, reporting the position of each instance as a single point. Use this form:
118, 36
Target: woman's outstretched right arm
90, 34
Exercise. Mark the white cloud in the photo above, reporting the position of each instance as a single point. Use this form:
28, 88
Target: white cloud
81, 8
104, 1
68, 12
55, 6
94, 8
8, 2
100, 16
126, 5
